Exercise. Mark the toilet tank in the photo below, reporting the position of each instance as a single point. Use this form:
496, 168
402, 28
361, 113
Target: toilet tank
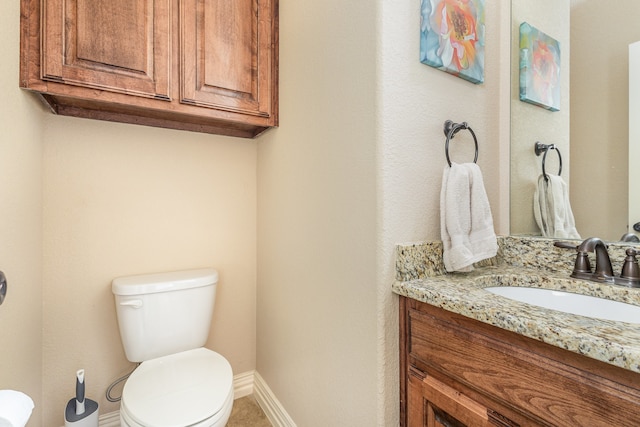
164, 313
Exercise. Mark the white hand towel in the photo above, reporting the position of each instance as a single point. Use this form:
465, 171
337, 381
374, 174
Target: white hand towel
543, 208
455, 218
484, 243
564, 222
466, 223
15, 408
552, 209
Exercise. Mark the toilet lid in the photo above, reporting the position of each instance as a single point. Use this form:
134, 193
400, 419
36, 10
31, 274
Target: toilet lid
180, 389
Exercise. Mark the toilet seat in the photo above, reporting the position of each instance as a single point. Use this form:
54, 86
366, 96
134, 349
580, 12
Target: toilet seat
191, 388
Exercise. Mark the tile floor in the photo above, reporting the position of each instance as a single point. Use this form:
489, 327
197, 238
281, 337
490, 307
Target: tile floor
247, 413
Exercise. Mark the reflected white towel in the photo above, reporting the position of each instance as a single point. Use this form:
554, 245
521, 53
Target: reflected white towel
466, 222
15, 408
552, 209
543, 207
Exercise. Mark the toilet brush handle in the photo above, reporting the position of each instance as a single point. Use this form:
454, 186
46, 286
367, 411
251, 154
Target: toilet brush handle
80, 392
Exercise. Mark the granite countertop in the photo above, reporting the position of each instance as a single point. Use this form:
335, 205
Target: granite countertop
613, 342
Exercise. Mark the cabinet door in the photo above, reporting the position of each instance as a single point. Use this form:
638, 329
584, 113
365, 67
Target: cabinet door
435, 404
115, 45
227, 55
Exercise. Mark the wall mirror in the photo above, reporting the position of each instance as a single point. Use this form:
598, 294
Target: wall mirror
591, 128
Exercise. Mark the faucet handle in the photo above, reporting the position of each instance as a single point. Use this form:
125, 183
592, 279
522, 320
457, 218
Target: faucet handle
582, 266
630, 268
630, 275
565, 245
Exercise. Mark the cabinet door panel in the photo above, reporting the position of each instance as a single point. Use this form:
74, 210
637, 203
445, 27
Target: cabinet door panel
226, 55
230, 63
100, 30
432, 403
115, 45
448, 407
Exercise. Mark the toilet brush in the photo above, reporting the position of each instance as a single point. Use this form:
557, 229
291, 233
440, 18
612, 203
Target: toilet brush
80, 411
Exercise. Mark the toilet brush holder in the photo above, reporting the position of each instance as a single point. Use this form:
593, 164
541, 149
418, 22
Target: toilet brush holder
80, 411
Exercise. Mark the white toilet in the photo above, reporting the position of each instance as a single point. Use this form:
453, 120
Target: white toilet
164, 323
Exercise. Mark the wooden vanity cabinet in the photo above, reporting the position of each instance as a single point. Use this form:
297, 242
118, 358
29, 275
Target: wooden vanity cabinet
200, 65
456, 371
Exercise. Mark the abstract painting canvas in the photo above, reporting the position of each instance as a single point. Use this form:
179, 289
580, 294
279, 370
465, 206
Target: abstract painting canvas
452, 37
539, 68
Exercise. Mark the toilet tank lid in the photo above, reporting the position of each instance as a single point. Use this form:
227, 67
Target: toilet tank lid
164, 282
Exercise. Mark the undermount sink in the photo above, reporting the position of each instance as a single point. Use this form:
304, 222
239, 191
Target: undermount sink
568, 302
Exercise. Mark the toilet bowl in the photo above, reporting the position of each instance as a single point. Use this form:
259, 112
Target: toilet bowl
164, 323
192, 388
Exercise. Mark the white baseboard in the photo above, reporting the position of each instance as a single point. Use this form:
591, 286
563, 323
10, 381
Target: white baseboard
271, 406
244, 384
111, 419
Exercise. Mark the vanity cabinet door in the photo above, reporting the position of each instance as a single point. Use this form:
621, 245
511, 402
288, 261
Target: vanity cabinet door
118, 46
226, 55
433, 403
438, 405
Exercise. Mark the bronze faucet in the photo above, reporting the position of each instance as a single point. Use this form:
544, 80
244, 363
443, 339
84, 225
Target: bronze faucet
630, 275
604, 270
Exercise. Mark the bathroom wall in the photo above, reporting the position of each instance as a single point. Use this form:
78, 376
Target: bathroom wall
317, 310
20, 222
121, 200
355, 169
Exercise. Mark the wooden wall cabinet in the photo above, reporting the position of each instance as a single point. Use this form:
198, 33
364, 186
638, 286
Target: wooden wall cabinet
200, 65
456, 371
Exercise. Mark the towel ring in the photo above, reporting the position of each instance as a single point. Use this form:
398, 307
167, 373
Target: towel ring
544, 148
450, 130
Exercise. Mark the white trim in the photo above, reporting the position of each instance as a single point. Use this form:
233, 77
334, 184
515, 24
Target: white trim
111, 419
243, 385
271, 406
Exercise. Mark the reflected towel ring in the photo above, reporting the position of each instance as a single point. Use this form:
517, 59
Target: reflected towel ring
450, 130
544, 148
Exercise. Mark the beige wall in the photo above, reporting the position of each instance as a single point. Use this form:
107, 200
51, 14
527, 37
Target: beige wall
20, 222
355, 169
317, 315
121, 200
532, 123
